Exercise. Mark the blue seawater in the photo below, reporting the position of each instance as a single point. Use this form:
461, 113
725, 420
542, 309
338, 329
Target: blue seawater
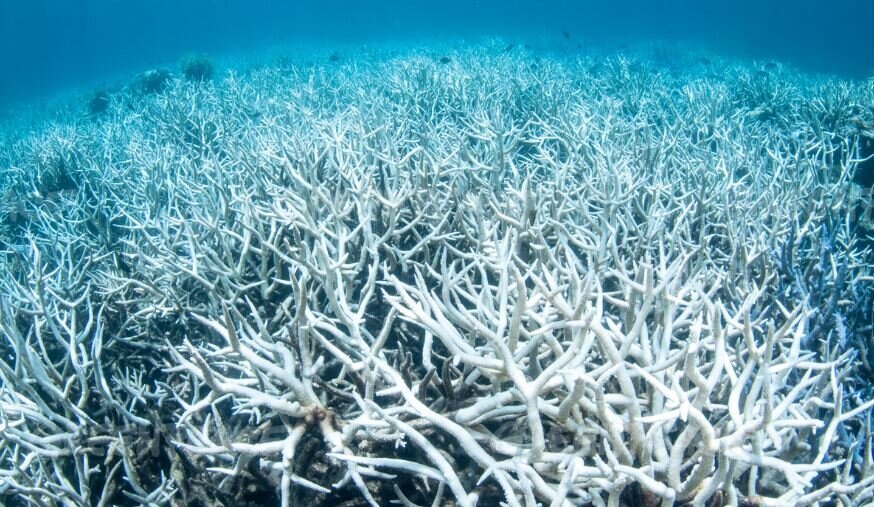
47, 45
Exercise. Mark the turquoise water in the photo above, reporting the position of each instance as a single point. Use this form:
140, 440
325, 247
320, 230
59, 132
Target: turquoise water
47, 45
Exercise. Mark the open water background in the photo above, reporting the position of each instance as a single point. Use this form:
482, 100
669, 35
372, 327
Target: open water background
50, 45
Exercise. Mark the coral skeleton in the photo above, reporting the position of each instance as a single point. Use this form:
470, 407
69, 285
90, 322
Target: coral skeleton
509, 277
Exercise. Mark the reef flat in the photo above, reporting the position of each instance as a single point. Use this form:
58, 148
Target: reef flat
476, 275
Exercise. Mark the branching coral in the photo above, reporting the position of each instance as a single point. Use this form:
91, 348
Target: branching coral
508, 279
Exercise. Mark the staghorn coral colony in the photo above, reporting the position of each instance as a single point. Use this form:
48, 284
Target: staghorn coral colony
511, 278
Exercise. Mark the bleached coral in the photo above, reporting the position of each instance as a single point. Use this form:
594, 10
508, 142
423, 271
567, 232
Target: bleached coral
506, 278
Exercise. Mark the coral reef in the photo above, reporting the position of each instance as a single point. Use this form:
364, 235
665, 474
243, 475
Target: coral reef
520, 278
197, 68
99, 103
152, 81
